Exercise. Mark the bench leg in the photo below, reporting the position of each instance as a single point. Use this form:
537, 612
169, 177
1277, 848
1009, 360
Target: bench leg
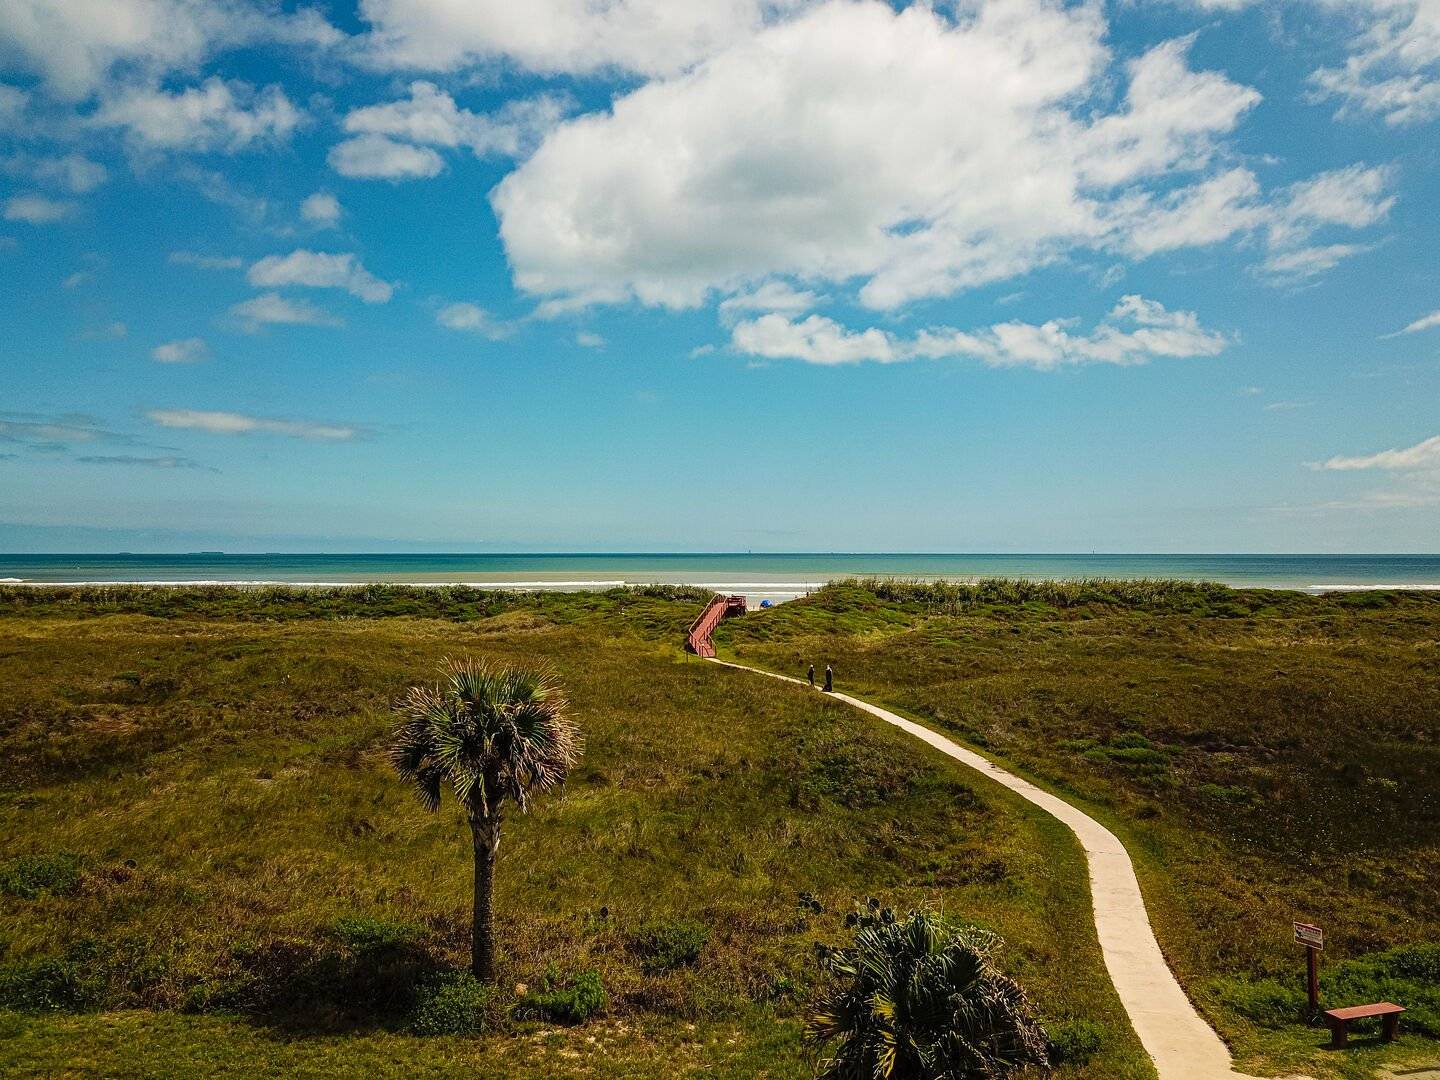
1339, 1033
1392, 1024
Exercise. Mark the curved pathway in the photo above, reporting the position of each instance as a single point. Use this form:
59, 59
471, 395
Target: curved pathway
1182, 1045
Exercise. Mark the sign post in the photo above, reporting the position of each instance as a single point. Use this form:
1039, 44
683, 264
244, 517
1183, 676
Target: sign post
1313, 938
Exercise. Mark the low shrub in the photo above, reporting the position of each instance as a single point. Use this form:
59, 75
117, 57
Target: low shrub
455, 1003
569, 1001
56, 874
666, 944
1074, 1042
65, 983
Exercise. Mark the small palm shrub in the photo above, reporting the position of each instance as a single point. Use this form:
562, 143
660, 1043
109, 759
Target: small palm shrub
921, 998
453, 1004
666, 944
568, 1001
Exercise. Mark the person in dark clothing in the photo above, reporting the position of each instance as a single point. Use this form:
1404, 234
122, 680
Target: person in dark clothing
812, 676
829, 679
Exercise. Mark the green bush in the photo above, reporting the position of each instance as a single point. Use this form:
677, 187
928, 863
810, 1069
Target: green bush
455, 1003
572, 1001
365, 933
29, 876
666, 944
65, 983
1074, 1042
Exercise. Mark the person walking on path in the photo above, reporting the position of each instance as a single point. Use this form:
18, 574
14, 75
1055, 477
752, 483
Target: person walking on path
829, 679
812, 676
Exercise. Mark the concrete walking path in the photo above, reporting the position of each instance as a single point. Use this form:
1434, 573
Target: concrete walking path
1182, 1045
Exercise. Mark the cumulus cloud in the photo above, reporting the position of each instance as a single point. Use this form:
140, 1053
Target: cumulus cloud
74, 173
430, 117
589, 340
1135, 331
1423, 455
272, 309
38, 209
473, 319
79, 46
910, 152
230, 423
769, 296
321, 208
374, 157
216, 115
647, 37
320, 270
184, 351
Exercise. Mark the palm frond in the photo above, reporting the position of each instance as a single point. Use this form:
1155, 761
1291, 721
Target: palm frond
489, 734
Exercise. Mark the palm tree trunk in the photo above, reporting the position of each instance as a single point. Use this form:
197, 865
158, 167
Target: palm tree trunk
486, 834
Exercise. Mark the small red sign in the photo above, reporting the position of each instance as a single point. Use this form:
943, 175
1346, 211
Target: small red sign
1312, 937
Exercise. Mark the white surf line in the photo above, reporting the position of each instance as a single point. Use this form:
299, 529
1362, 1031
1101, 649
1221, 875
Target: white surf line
1179, 1041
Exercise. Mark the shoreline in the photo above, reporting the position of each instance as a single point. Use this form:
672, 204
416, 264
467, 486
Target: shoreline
787, 589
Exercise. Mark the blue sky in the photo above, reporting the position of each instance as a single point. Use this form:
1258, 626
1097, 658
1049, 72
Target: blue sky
993, 276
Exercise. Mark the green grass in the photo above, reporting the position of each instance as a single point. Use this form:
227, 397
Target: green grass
1267, 756
254, 893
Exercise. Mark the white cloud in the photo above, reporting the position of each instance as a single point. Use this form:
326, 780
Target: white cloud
1423, 455
471, 318
770, 296
649, 37
1393, 69
587, 340
1307, 262
229, 423
1232, 204
207, 262
13, 103
320, 270
906, 152
77, 46
321, 208
430, 117
1135, 331
38, 209
184, 351
216, 115
1425, 322
374, 157
273, 309
74, 173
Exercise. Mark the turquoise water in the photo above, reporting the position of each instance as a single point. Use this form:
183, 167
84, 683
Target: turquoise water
762, 575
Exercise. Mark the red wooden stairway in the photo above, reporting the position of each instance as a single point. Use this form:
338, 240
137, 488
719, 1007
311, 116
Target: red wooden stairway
698, 640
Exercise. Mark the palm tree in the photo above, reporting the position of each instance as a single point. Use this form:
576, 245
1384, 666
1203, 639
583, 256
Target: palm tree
921, 999
492, 735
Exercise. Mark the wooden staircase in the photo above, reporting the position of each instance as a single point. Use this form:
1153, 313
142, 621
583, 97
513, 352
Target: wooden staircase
698, 640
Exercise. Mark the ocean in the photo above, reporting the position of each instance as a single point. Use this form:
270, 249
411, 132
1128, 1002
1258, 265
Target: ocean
759, 576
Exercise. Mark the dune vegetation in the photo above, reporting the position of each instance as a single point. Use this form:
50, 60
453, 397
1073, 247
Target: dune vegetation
210, 867
1267, 757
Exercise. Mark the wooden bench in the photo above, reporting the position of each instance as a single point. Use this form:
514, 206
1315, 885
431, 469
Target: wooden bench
1339, 1020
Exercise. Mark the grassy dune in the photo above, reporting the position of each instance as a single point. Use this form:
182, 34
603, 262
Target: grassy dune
1267, 756
209, 870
